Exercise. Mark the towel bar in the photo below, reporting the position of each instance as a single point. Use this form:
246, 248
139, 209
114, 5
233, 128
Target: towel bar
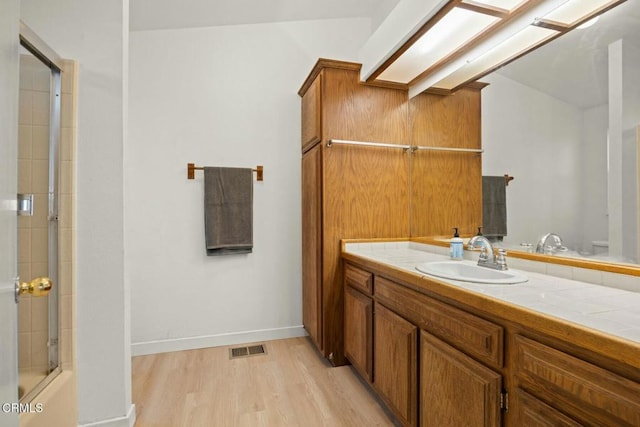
192, 168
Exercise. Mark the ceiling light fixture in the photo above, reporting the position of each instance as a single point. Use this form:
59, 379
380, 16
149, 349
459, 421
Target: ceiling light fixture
468, 39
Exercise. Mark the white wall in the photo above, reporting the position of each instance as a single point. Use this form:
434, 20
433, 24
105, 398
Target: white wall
536, 139
624, 113
630, 123
218, 96
9, 16
94, 32
594, 212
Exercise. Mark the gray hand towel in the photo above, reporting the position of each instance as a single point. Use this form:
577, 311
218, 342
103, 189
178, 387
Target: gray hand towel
494, 206
228, 210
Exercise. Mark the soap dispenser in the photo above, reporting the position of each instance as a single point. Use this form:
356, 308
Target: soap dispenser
456, 250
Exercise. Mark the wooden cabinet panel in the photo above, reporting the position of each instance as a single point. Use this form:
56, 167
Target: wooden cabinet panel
359, 279
586, 392
365, 191
311, 244
477, 337
312, 115
531, 412
358, 333
358, 112
395, 364
455, 390
446, 187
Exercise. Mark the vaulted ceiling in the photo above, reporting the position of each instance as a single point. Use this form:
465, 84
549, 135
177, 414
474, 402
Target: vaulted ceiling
163, 14
572, 68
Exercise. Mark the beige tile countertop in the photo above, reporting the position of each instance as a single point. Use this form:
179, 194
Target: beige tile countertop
605, 302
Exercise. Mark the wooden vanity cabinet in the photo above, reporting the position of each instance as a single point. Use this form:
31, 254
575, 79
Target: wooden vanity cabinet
433, 364
533, 412
456, 390
358, 320
438, 361
395, 355
571, 389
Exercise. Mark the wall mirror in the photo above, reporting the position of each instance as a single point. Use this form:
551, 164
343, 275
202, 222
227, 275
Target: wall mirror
564, 121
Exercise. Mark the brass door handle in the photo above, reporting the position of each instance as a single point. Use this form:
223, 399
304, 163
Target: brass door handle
38, 287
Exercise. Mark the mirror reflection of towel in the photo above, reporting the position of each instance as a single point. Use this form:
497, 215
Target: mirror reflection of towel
228, 210
494, 206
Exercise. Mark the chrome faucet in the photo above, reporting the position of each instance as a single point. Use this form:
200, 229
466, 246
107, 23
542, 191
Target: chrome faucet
488, 257
549, 244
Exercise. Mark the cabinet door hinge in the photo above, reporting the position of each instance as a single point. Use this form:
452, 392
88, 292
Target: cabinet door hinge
504, 400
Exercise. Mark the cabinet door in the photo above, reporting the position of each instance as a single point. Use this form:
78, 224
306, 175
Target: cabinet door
358, 339
312, 115
311, 244
586, 392
395, 364
455, 390
531, 412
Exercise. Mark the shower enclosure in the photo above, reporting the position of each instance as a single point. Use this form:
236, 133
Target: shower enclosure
38, 171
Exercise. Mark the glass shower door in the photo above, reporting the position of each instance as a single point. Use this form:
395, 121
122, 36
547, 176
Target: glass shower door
38, 136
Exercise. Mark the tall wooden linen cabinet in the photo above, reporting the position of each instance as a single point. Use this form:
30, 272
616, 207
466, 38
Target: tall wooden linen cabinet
351, 192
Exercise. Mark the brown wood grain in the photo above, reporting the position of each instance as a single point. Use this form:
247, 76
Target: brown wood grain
311, 115
584, 391
446, 187
365, 189
478, 337
289, 386
395, 364
532, 412
609, 351
358, 332
320, 65
580, 374
455, 390
311, 244
358, 278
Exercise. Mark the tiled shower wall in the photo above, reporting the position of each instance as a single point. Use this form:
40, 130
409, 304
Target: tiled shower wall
33, 234
66, 224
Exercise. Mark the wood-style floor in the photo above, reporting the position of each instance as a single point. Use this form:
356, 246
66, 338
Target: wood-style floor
292, 385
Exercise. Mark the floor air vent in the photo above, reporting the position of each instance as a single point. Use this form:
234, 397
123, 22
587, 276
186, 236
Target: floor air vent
252, 350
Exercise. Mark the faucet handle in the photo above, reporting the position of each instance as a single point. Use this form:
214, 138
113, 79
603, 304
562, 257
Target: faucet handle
484, 254
501, 261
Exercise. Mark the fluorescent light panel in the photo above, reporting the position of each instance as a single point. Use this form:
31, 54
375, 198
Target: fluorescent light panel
502, 4
574, 10
450, 33
460, 26
521, 41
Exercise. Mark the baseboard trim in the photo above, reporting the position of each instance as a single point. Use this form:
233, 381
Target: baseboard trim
192, 343
128, 420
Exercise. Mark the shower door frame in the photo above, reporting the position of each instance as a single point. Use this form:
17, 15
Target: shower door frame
37, 47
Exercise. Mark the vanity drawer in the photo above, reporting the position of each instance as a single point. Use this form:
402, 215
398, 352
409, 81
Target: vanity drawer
470, 334
586, 392
359, 279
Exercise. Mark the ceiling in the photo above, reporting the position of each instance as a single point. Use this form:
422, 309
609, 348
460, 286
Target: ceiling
165, 14
574, 67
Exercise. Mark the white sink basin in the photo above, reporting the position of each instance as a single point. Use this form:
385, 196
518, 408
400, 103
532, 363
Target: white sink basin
469, 271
